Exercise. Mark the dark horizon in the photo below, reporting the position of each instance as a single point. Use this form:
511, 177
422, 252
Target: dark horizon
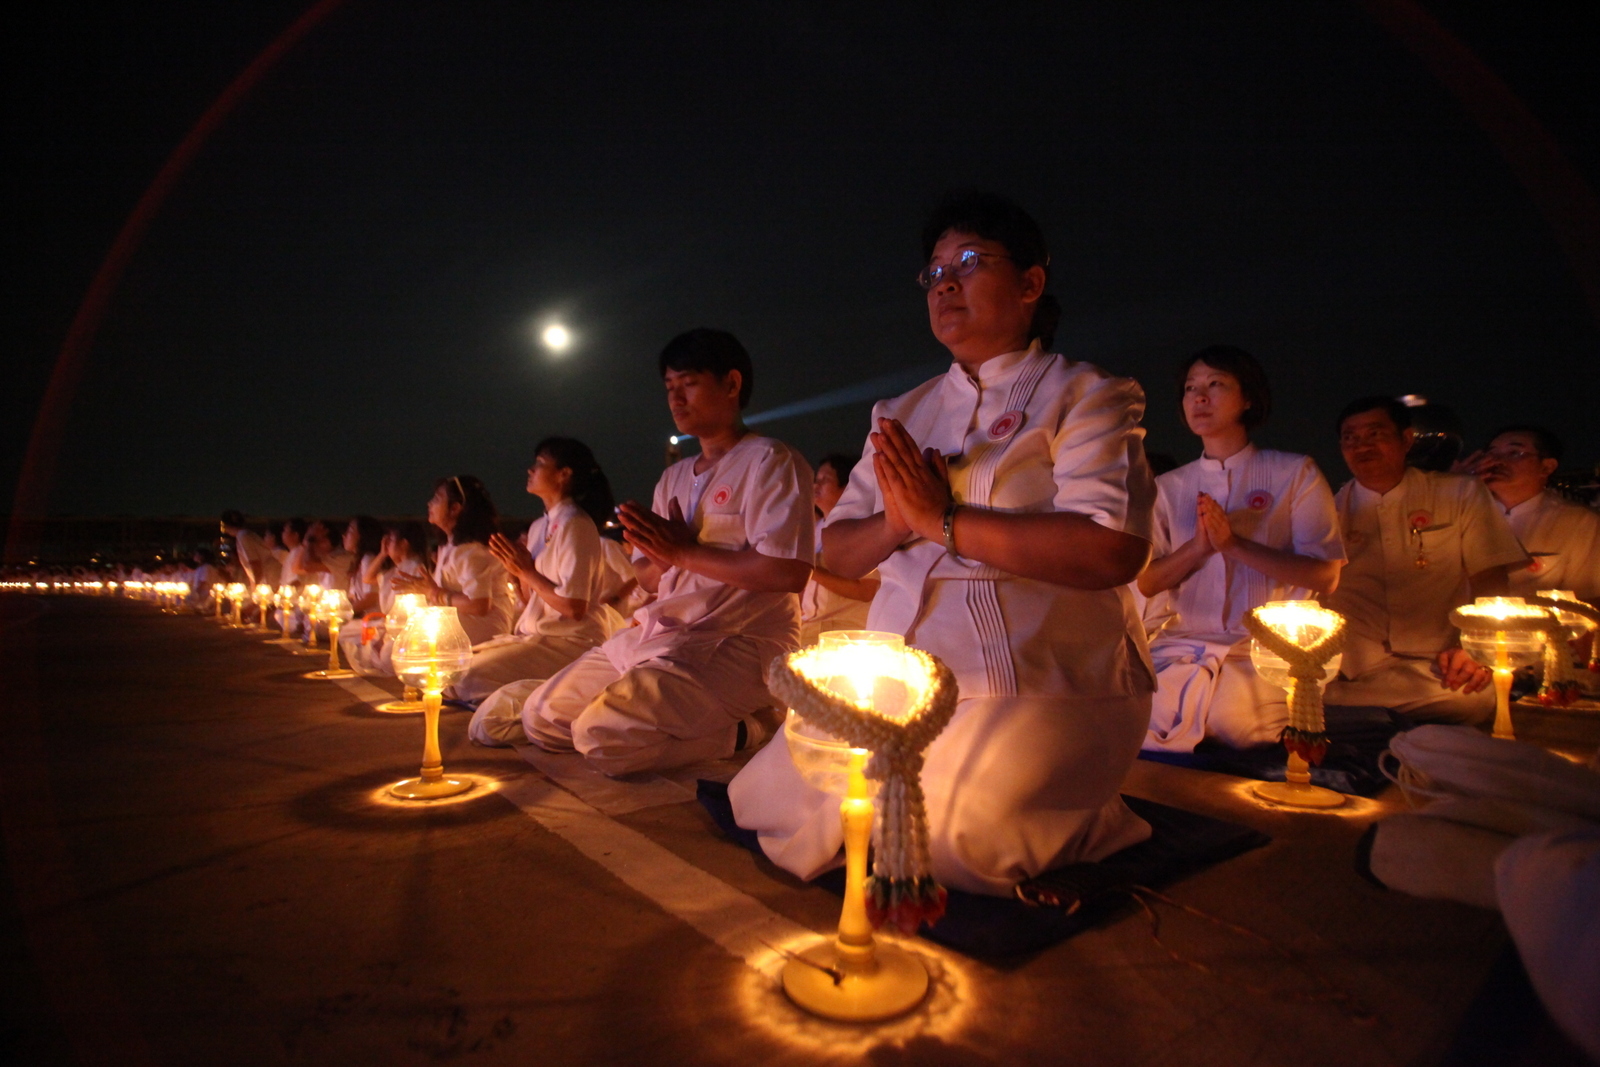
338, 301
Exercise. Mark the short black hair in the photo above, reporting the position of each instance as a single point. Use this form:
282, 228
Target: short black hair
841, 462
998, 218
298, 525
713, 351
232, 518
1544, 439
1243, 366
1363, 404
992, 217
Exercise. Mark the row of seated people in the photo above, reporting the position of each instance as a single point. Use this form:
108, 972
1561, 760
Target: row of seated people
1002, 516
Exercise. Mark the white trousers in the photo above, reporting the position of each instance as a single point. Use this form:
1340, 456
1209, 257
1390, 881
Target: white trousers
1014, 786
633, 705
1206, 689
1408, 684
513, 659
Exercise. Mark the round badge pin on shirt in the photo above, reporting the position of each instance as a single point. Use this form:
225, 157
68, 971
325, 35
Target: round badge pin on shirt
722, 495
1006, 425
1259, 501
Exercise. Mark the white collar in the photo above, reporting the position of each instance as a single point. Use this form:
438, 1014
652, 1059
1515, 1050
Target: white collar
1233, 462
992, 369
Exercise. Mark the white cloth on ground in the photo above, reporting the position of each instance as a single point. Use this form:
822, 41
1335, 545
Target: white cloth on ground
1508, 825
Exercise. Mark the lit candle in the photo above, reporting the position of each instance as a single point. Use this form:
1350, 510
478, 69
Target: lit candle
1298, 645
1503, 633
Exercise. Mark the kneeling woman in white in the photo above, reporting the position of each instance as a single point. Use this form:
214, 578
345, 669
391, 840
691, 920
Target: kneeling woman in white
1006, 547
1238, 527
466, 576
561, 568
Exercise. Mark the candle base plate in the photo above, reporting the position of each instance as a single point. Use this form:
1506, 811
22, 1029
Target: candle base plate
428, 788
1298, 795
327, 675
896, 986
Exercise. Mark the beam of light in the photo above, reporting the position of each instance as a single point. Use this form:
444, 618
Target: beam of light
556, 337
885, 385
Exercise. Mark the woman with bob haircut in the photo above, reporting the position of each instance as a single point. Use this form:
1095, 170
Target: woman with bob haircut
1006, 504
1234, 529
466, 575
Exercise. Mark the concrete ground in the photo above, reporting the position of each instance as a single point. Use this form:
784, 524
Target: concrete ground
203, 871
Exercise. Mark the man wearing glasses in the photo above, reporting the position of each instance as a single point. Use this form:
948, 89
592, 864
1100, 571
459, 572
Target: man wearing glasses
1420, 543
1561, 538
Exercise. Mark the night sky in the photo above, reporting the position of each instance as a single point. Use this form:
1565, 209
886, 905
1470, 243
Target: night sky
339, 301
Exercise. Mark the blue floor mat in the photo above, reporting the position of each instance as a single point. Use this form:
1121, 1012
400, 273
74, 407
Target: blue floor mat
1081, 895
1356, 737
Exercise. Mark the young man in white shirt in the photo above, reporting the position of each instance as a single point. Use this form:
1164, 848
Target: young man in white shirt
726, 547
1419, 543
1561, 538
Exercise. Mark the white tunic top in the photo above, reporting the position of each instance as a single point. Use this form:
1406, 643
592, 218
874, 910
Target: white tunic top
251, 551
335, 572
1411, 553
1563, 540
566, 549
413, 567
471, 569
1277, 499
359, 587
1033, 433
618, 570
757, 495
293, 565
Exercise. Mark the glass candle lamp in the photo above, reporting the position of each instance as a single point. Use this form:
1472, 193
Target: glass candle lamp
1297, 645
394, 623
334, 608
889, 689
1503, 633
431, 653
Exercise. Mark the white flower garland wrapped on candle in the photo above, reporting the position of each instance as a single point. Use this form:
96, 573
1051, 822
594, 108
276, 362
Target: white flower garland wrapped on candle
902, 890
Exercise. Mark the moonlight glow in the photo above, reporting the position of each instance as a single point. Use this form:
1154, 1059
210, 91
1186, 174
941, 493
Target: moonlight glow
556, 337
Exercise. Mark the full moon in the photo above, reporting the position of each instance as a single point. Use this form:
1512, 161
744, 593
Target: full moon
556, 338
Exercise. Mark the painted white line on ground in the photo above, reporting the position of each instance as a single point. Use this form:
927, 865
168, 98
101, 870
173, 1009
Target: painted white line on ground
738, 922
573, 773
362, 689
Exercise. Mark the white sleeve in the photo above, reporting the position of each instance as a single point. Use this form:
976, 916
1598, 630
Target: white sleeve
479, 572
778, 512
861, 498
1312, 516
575, 558
1100, 468
1486, 539
1161, 519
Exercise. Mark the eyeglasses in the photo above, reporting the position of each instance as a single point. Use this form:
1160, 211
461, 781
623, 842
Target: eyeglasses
964, 264
1510, 455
